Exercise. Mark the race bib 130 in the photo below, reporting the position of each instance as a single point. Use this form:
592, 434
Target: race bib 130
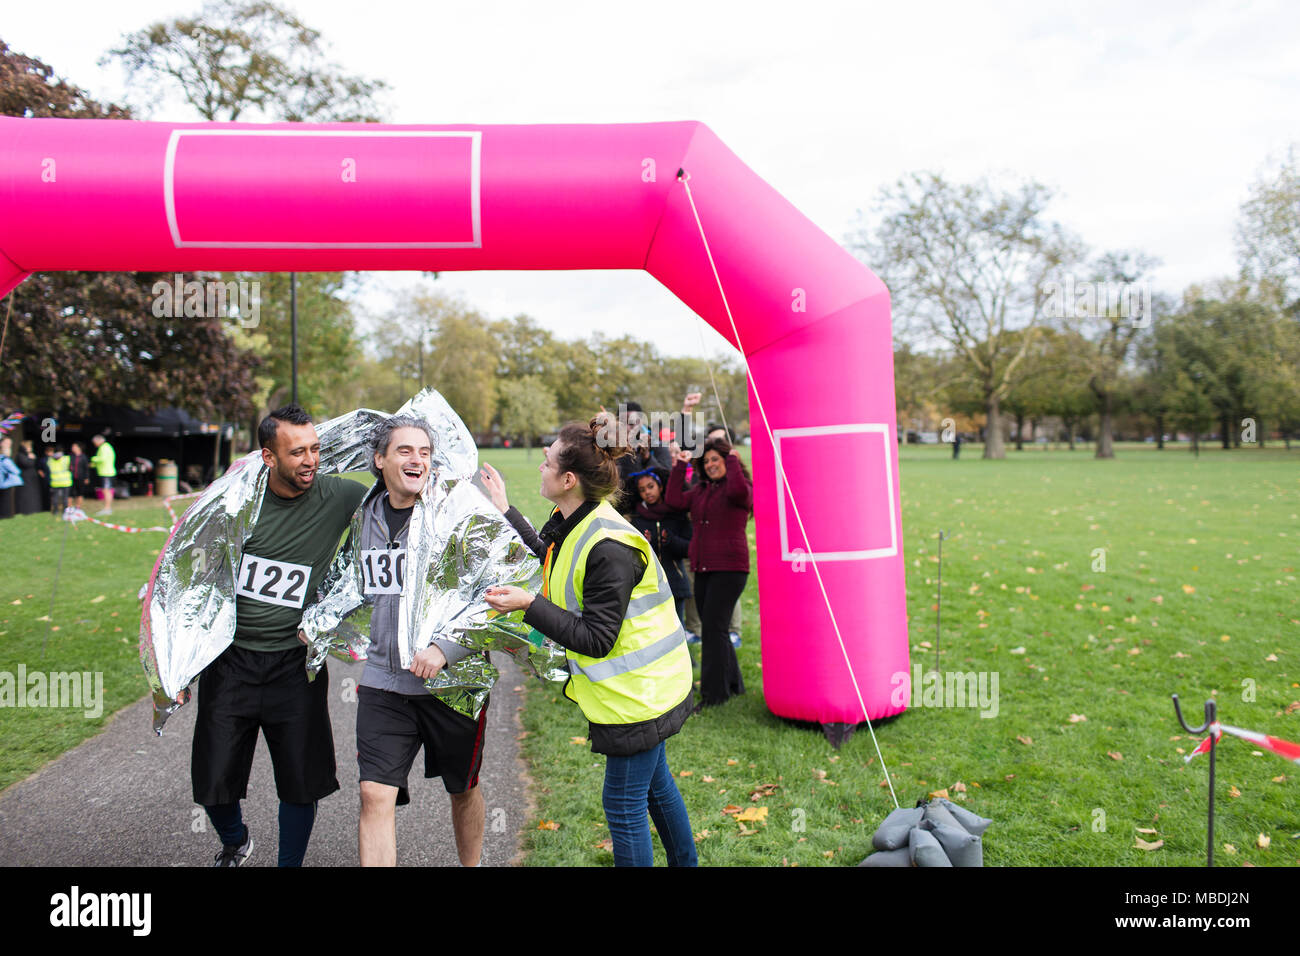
382, 570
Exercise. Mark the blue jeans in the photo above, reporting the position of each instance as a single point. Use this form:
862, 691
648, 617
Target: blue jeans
634, 785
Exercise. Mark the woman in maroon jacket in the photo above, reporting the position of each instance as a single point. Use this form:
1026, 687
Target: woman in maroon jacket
720, 502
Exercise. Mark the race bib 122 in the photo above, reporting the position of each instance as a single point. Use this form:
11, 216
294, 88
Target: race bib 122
272, 582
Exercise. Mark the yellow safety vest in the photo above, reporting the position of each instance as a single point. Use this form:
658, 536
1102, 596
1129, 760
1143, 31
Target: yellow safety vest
60, 472
648, 671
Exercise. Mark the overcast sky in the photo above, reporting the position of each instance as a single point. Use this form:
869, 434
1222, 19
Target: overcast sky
1149, 124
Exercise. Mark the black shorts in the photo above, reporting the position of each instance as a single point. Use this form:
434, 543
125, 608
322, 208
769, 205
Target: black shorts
242, 691
391, 727
106, 484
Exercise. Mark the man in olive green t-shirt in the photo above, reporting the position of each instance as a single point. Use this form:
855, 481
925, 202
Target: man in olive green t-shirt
260, 682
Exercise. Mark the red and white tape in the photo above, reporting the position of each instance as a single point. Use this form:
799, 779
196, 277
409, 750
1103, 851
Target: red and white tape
1283, 748
76, 514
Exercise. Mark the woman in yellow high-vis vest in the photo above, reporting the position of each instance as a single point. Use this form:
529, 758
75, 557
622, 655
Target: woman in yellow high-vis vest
605, 599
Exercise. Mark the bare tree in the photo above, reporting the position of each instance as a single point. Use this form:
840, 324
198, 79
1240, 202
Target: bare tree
966, 265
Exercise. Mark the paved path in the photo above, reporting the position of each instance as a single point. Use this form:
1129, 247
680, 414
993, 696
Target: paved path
123, 798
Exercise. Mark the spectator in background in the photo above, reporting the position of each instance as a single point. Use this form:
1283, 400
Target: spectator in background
29, 495
642, 454
734, 625
105, 465
60, 481
11, 478
80, 474
720, 500
667, 529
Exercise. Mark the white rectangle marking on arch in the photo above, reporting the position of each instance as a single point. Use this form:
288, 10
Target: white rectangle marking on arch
869, 428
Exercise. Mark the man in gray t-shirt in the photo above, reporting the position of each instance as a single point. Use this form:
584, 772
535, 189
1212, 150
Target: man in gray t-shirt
396, 715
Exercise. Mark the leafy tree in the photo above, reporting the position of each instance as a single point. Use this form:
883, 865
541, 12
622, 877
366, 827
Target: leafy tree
30, 88
77, 339
1110, 327
255, 60
966, 265
329, 348
526, 407
1268, 236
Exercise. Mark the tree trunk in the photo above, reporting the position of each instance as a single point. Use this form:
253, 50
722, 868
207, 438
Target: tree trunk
1160, 433
1260, 434
1071, 435
1196, 443
1020, 431
1223, 431
993, 444
1105, 445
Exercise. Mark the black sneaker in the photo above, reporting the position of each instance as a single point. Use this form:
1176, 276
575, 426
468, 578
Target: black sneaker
236, 855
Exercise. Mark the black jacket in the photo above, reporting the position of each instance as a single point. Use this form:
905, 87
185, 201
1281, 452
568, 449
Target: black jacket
677, 524
612, 572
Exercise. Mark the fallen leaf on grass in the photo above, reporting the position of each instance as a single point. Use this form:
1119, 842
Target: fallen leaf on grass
607, 845
1292, 707
958, 787
1114, 755
1233, 791
686, 773
822, 778
1144, 845
732, 763
577, 740
1146, 830
1158, 599
1188, 589
1271, 657
1027, 741
1077, 718
731, 808
1262, 841
752, 815
828, 854
763, 790
1229, 848
707, 779
96, 600
940, 794
1281, 779
548, 825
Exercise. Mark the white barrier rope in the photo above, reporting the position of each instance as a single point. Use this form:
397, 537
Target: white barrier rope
76, 514
683, 177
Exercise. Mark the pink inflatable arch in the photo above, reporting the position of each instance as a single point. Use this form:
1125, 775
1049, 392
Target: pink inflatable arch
813, 323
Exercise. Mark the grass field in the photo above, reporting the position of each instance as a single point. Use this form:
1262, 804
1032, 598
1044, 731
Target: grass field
1198, 596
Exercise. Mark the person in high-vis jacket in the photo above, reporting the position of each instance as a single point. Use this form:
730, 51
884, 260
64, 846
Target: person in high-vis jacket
60, 481
104, 461
606, 600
